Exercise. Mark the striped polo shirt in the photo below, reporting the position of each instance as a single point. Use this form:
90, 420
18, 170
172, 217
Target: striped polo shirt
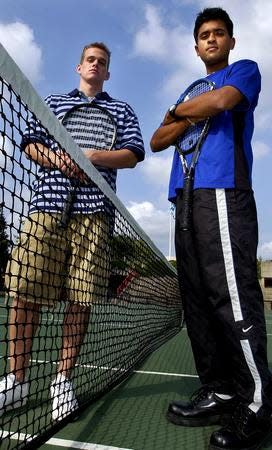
50, 187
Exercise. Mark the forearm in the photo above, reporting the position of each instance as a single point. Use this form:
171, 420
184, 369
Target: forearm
58, 159
167, 134
116, 159
209, 104
199, 108
42, 155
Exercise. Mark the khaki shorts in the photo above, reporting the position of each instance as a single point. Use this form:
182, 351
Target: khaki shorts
50, 263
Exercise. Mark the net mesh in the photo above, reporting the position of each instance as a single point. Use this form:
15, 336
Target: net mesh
91, 300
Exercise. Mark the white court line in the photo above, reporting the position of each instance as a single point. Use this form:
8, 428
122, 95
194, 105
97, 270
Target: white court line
166, 374
81, 445
115, 369
60, 442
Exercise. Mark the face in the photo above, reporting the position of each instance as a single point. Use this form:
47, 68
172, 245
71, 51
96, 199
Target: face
94, 67
214, 45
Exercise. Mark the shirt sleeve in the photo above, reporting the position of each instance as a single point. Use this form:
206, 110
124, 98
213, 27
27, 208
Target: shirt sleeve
35, 132
130, 134
245, 76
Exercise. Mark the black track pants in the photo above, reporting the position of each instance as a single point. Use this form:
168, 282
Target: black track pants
222, 297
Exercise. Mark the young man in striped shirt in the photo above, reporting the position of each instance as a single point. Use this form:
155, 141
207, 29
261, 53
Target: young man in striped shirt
32, 286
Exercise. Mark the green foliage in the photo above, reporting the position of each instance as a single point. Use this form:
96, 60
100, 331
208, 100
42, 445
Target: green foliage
173, 262
129, 253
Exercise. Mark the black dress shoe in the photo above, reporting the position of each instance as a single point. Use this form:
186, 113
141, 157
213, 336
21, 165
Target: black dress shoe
245, 431
205, 408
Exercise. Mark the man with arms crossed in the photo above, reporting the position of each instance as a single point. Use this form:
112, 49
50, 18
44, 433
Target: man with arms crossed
216, 260
85, 238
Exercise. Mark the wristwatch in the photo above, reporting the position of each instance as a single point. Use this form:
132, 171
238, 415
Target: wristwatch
172, 111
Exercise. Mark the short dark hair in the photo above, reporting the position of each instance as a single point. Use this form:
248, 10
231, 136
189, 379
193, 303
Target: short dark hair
213, 14
100, 45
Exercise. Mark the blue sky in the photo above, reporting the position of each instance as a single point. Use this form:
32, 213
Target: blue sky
153, 59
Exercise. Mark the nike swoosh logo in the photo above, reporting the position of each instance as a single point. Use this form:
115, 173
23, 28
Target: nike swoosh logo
245, 330
209, 405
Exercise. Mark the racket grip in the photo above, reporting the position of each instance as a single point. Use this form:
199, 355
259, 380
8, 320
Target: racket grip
186, 212
66, 212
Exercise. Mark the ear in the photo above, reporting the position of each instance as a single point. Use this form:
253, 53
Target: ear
107, 76
196, 49
78, 68
232, 45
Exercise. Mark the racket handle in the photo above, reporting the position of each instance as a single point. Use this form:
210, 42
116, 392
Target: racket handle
66, 213
186, 212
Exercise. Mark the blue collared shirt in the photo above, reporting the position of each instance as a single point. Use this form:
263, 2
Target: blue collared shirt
226, 155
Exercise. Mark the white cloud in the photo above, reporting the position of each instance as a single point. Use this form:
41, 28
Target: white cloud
260, 149
265, 251
18, 39
151, 40
155, 222
152, 220
171, 46
157, 169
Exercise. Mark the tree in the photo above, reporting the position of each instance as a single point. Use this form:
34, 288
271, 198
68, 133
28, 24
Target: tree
173, 262
4, 247
132, 257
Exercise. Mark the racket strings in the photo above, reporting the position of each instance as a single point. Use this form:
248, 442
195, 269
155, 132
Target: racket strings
91, 128
190, 137
198, 89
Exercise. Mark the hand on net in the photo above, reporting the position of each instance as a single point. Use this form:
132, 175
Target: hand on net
68, 167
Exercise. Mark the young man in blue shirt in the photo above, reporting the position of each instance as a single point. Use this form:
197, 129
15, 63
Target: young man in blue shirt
40, 272
216, 260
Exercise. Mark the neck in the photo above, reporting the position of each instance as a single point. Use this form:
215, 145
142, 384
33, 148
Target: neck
90, 90
215, 67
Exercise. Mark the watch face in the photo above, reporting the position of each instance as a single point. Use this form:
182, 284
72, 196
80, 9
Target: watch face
172, 110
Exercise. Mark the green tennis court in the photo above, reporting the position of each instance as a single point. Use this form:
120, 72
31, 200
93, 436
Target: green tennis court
132, 416
100, 366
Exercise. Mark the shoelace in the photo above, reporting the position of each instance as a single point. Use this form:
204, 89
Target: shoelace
240, 418
201, 394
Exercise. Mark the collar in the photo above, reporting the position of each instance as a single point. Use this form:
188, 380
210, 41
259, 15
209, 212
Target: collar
99, 96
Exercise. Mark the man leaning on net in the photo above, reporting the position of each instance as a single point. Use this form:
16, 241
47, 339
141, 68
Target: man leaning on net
38, 276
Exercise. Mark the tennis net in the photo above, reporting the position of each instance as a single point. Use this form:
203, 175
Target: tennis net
123, 300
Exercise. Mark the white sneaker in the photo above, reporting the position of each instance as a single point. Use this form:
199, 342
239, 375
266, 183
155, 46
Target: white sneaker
63, 396
12, 393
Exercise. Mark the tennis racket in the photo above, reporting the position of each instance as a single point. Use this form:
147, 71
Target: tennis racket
190, 142
92, 127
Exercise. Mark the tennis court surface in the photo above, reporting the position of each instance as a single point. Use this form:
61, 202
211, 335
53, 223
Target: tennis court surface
132, 416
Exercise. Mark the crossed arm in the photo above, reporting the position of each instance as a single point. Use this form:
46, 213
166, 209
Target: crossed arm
205, 105
42, 155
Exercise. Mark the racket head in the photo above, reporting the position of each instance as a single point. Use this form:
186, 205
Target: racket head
188, 140
91, 126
